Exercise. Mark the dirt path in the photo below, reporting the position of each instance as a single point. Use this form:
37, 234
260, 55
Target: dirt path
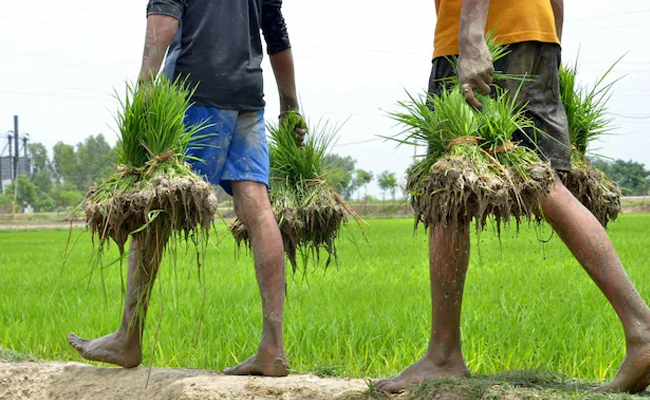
40, 225
76, 381
59, 381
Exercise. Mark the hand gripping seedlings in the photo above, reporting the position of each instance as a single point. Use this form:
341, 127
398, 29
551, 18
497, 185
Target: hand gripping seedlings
474, 167
309, 212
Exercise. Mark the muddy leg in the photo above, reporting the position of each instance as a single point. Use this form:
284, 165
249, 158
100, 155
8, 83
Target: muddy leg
124, 347
449, 257
589, 243
254, 210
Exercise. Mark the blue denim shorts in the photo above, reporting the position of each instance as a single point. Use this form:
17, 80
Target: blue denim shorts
232, 148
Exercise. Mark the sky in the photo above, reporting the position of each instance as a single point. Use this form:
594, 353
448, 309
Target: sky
355, 59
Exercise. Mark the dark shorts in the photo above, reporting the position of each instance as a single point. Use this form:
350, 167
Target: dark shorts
541, 63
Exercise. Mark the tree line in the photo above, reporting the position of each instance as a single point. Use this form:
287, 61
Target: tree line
60, 181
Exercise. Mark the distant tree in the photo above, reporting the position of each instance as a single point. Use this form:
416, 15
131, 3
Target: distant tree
64, 162
66, 196
84, 165
340, 174
94, 159
387, 183
27, 192
42, 172
5, 199
38, 156
362, 178
631, 176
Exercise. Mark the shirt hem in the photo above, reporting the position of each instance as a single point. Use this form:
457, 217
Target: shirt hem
517, 37
229, 106
169, 14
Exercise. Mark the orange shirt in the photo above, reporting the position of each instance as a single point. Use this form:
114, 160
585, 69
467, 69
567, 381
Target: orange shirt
512, 21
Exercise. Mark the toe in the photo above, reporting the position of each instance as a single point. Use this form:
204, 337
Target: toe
241, 369
389, 386
395, 387
641, 385
75, 341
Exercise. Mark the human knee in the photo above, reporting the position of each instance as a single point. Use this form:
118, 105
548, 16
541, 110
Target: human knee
251, 204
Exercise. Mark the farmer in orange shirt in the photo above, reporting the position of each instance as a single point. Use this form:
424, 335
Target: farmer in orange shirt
532, 29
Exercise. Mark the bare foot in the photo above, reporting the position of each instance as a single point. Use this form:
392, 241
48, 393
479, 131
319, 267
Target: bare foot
267, 365
112, 349
422, 371
633, 375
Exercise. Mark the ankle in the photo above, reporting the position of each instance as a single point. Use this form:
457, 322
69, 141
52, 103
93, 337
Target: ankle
638, 335
270, 345
127, 338
443, 357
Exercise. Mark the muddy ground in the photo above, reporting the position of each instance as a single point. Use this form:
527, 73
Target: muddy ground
76, 381
41, 381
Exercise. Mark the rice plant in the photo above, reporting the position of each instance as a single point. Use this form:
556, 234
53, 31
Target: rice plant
153, 182
309, 212
586, 111
474, 166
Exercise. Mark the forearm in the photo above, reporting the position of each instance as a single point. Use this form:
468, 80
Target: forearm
161, 29
473, 18
283, 69
558, 11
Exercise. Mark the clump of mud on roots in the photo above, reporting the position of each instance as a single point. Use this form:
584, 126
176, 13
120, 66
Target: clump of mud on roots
309, 213
308, 227
153, 192
593, 188
455, 192
158, 208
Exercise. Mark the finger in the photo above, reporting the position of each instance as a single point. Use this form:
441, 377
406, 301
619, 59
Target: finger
488, 78
481, 86
472, 100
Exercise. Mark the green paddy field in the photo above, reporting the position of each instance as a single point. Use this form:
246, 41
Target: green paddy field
528, 304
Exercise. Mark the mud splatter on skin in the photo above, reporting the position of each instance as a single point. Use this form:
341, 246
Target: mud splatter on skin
587, 240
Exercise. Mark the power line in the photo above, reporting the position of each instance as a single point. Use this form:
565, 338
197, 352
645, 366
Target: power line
610, 15
631, 116
49, 86
361, 142
55, 95
606, 28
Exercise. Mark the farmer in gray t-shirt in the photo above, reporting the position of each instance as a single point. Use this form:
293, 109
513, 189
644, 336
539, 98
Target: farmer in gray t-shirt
217, 46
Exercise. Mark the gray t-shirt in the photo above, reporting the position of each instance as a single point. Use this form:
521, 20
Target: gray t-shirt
218, 46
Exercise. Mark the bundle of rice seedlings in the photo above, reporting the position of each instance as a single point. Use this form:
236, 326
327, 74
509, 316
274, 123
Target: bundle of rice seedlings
309, 212
585, 109
153, 193
472, 168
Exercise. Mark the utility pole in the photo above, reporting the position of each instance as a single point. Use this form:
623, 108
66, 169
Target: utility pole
11, 158
16, 157
1, 153
26, 164
16, 147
